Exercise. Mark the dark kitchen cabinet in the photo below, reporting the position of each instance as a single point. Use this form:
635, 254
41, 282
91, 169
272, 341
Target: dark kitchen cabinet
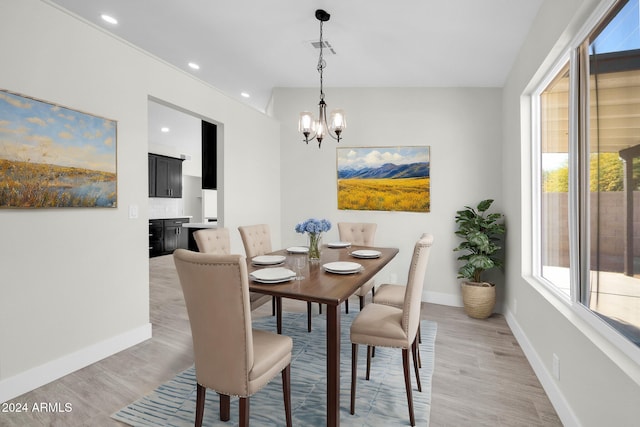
156, 237
209, 156
167, 235
175, 236
152, 175
165, 176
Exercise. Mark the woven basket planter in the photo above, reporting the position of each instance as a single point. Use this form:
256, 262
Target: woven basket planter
478, 299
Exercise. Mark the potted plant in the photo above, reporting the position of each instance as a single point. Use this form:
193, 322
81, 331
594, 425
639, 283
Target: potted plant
480, 232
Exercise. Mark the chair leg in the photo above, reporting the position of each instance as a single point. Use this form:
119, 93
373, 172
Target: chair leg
369, 350
309, 316
200, 396
354, 373
279, 315
419, 341
244, 412
286, 392
319, 308
416, 353
273, 306
373, 292
407, 384
346, 306
361, 302
225, 407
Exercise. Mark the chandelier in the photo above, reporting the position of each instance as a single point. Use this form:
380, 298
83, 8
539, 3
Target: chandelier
318, 129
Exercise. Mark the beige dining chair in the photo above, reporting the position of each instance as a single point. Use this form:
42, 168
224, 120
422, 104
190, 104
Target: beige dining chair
230, 357
216, 241
257, 241
387, 326
213, 240
393, 295
361, 234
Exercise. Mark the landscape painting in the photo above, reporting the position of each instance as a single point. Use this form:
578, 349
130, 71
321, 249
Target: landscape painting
384, 178
52, 156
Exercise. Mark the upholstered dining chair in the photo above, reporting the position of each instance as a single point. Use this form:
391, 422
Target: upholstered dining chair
393, 295
257, 241
361, 234
387, 326
230, 357
216, 241
213, 240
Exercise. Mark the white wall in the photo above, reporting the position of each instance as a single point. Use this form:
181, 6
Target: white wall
599, 385
463, 128
74, 282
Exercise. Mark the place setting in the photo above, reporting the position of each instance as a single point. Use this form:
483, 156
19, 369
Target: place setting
342, 267
338, 245
298, 250
365, 253
265, 260
272, 275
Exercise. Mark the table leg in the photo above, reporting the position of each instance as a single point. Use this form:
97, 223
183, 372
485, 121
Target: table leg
333, 365
279, 315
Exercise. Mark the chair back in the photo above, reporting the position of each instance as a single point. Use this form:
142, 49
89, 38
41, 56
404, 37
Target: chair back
213, 240
415, 284
357, 233
256, 239
216, 292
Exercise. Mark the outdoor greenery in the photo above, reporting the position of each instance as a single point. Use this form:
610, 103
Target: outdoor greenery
607, 174
480, 232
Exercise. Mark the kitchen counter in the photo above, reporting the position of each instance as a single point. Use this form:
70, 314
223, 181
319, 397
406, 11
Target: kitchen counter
213, 224
172, 217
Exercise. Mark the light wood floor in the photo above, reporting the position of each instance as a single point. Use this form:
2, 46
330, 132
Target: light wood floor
481, 376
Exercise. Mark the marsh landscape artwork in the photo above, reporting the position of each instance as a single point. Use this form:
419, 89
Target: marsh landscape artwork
384, 178
52, 156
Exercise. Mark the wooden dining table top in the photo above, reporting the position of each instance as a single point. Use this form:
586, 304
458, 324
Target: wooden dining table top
319, 285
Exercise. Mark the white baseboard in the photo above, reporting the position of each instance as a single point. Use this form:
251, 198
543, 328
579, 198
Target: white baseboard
442, 299
36, 377
565, 413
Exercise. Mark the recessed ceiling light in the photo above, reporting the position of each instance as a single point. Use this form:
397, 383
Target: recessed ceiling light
245, 95
165, 129
109, 19
194, 65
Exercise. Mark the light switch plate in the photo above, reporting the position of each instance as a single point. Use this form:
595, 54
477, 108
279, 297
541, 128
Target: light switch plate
133, 211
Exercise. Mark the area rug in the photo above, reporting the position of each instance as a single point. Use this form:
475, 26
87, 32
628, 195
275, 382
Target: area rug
381, 401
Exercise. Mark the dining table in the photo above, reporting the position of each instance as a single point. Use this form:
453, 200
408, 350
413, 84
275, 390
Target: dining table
331, 289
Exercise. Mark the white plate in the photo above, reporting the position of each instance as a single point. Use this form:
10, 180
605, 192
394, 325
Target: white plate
272, 275
268, 259
339, 244
298, 250
366, 253
342, 267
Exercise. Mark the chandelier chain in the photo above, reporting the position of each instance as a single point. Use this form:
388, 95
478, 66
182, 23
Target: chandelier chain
321, 63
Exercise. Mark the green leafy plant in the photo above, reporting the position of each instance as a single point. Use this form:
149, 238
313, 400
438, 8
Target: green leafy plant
480, 232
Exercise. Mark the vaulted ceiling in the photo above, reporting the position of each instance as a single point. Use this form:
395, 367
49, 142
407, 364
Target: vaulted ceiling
253, 46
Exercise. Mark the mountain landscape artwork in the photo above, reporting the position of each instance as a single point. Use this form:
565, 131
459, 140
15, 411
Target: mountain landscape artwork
384, 178
52, 156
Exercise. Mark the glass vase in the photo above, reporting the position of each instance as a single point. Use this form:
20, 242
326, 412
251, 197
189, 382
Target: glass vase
315, 243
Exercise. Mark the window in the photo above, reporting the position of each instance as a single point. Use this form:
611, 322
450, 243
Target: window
604, 223
554, 170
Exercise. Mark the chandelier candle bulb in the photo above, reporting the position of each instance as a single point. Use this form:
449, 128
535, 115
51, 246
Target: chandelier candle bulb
306, 123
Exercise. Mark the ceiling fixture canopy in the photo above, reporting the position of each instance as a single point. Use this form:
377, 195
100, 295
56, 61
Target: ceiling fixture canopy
317, 129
